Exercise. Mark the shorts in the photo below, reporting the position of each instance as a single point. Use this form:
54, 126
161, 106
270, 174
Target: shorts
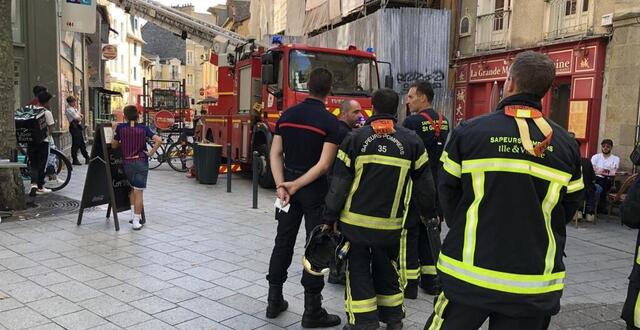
136, 173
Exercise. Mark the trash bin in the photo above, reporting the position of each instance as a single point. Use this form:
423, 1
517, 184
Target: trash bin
207, 161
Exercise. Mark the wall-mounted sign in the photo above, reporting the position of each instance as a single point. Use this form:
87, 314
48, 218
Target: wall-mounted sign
109, 52
79, 16
578, 115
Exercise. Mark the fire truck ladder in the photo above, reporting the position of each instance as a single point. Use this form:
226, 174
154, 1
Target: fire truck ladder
180, 23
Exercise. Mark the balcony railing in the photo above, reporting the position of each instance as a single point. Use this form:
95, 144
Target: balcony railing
492, 30
567, 18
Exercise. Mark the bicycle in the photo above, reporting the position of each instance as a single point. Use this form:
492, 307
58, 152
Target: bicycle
178, 154
57, 172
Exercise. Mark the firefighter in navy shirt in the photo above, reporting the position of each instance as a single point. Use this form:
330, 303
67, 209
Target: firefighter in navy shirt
302, 151
510, 182
433, 129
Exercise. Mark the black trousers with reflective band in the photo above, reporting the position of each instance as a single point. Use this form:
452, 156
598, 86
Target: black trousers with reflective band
448, 315
307, 202
419, 258
373, 291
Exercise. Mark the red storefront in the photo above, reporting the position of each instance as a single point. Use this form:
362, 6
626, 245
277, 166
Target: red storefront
573, 100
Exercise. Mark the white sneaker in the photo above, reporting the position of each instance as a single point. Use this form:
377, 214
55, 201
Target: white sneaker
136, 224
578, 216
590, 218
43, 191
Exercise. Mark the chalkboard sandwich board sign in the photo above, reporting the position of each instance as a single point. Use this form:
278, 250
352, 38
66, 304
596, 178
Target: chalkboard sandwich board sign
106, 182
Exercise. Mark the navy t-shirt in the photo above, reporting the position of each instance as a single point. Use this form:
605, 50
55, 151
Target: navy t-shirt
304, 129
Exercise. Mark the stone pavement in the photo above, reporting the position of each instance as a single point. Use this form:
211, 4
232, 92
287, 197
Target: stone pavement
200, 263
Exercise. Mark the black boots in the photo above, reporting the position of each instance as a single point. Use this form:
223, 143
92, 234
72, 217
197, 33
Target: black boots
276, 303
314, 315
431, 285
411, 290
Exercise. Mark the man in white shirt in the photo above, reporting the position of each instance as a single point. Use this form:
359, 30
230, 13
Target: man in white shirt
75, 129
605, 165
38, 152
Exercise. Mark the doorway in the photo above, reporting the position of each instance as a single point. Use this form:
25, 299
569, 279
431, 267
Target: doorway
560, 95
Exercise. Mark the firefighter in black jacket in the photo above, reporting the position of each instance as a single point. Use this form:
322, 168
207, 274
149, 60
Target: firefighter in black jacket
631, 218
372, 182
511, 181
433, 129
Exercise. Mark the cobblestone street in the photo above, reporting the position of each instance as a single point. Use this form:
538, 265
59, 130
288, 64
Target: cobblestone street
200, 263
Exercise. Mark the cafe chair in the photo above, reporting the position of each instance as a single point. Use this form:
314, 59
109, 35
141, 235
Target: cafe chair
616, 198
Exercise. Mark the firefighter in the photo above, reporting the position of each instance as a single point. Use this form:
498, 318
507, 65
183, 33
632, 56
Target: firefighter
510, 182
302, 151
631, 217
433, 129
373, 177
350, 112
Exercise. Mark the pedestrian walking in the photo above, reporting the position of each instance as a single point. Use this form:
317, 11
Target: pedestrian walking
380, 168
511, 181
302, 151
433, 129
132, 137
76, 130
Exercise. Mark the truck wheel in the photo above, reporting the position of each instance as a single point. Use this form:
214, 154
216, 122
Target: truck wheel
265, 179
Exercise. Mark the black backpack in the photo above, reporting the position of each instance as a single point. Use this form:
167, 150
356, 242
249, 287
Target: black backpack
31, 124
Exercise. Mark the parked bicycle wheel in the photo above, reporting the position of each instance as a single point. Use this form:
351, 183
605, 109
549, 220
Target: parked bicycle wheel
58, 172
158, 158
180, 156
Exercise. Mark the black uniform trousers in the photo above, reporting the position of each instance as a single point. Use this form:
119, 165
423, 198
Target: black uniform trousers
38, 154
373, 291
420, 263
448, 315
630, 305
77, 141
307, 202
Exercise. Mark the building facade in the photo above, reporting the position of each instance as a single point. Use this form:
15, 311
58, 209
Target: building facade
177, 59
46, 55
124, 73
580, 37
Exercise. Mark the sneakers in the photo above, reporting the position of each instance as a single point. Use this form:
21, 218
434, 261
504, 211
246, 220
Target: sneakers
38, 191
43, 191
135, 224
578, 216
590, 218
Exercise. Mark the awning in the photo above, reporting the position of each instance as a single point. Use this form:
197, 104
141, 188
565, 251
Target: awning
208, 100
103, 90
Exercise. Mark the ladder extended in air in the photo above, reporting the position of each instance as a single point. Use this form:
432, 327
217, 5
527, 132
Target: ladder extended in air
182, 24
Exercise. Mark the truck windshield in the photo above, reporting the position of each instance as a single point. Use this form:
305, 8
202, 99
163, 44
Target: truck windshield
352, 75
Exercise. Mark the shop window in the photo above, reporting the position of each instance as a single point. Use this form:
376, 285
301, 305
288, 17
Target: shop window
465, 28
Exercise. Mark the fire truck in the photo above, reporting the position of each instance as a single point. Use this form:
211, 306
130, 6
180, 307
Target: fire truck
256, 83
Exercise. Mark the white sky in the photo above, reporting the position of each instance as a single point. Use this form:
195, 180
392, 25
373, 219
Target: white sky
201, 5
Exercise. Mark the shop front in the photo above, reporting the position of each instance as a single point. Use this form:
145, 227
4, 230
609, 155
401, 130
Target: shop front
573, 101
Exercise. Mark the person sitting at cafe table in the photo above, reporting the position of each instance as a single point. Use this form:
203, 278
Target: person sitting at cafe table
605, 165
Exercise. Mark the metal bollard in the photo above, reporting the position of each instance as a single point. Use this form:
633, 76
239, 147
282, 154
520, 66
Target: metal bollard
228, 167
254, 178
